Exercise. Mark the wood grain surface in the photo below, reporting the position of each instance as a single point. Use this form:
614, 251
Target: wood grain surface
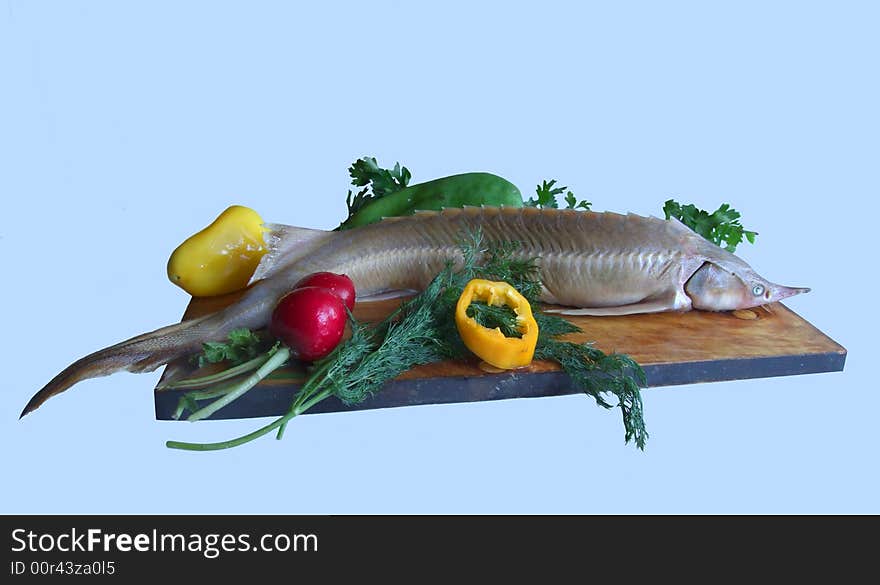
673, 348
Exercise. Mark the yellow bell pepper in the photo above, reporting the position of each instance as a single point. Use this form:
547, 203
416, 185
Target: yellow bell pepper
491, 344
222, 257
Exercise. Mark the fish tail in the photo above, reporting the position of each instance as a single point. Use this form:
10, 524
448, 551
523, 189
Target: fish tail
143, 353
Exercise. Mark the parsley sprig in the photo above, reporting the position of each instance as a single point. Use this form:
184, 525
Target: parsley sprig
546, 197
241, 345
375, 181
721, 227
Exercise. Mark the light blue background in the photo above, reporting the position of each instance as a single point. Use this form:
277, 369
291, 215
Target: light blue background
125, 127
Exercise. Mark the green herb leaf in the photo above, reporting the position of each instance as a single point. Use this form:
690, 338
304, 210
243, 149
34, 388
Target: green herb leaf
597, 373
552, 326
241, 345
376, 182
571, 202
721, 227
546, 197
495, 316
366, 171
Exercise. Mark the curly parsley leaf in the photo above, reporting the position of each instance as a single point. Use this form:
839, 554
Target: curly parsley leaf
376, 182
571, 202
546, 197
241, 345
721, 227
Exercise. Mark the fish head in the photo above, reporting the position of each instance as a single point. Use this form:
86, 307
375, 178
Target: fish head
713, 288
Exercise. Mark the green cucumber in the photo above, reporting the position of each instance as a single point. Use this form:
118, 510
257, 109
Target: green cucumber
453, 191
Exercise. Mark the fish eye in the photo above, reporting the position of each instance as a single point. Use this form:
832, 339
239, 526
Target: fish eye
758, 290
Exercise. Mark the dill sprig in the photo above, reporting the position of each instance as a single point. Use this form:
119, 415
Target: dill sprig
597, 373
405, 342
495, 316
422, 331
594, 372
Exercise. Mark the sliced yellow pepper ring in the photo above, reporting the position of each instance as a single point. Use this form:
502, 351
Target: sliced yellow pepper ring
491, 344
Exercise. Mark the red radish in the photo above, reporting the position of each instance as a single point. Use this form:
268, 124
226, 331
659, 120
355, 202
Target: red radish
339, 284
310, 321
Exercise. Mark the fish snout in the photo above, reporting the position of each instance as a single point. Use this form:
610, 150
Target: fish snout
780, 292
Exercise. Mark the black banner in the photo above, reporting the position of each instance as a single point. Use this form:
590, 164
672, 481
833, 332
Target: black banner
127, 547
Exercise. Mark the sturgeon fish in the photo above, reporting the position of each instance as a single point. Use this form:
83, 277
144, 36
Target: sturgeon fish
590, 263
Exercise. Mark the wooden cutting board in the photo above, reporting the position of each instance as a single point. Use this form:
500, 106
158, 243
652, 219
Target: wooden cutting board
673, 349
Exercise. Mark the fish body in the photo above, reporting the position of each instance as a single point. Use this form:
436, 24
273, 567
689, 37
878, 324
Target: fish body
593, 263
600, 263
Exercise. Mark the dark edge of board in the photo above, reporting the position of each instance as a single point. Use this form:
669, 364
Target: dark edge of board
275, 401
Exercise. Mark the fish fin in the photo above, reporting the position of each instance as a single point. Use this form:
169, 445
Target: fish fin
650, 306
143, 353
174, 372
548, 297
285, 244
386, 295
